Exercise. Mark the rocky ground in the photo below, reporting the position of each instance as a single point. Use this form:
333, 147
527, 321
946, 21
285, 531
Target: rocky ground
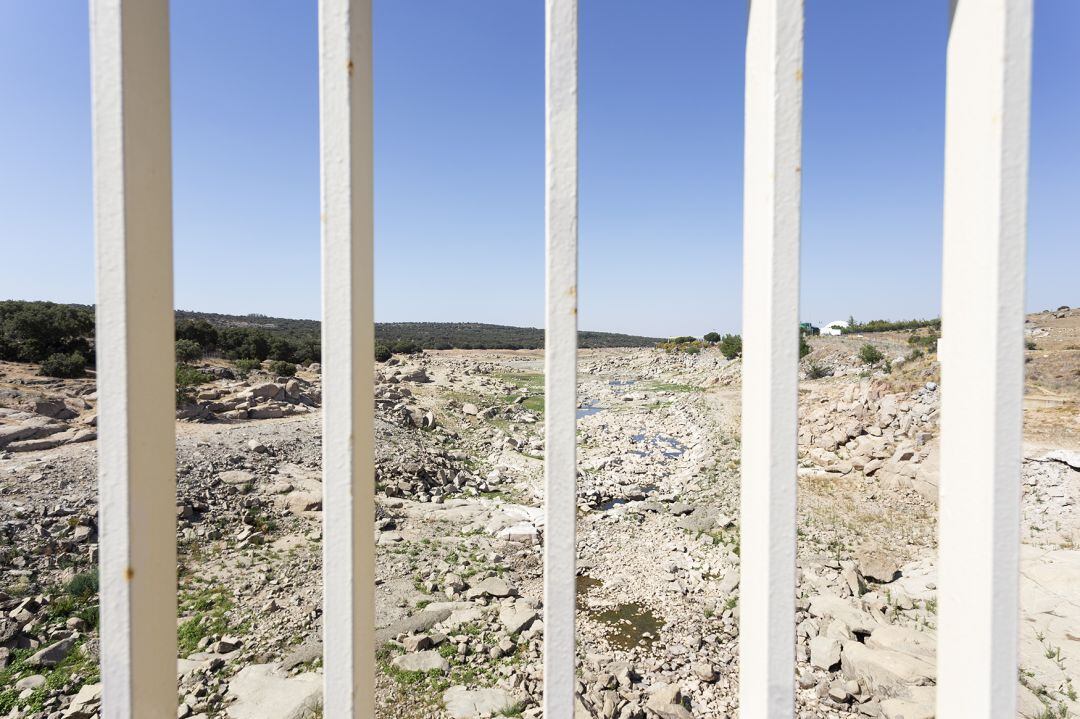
460, 533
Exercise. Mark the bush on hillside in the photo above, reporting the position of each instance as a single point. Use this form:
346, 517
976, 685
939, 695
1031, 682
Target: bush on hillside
382, 353
804, 346
711, 337
731, 346
405, 347
927, 341
188, 377
282, 369
188, 350
870, 354
64, 365
246, 366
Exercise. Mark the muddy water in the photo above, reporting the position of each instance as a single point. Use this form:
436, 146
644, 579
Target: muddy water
629, 625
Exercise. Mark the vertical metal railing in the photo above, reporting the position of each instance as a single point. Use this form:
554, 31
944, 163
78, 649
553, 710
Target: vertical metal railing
348, 335
560, 355
986, 158
771, 205
988, 102
136, 451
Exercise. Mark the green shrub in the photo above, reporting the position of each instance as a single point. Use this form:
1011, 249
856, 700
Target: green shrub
804, 346
282, 369
405, 347
682, 339
188, 350
1030, 344
691, 349
817, 371
64, 365
246, 366
927, 341
870, 354
382, 353
711, 337
186, 378
731, 346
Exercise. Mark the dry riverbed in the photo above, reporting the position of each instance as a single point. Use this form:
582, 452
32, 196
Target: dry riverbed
460, 532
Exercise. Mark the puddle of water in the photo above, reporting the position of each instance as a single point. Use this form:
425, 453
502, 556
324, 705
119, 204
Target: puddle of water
629, 625
646, 490
587, 407
674, 448
585, 583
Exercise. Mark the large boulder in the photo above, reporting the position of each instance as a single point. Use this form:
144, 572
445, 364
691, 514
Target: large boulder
885, 672
53, 654
426, 661
419, 622
264, 691
666, 702
830, 606
462, 703
55, 408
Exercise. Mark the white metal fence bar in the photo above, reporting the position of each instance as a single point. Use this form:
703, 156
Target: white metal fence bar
771, 205
137, 447
348, 337
986, 160
560, 357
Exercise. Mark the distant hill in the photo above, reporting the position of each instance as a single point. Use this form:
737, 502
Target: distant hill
429, 335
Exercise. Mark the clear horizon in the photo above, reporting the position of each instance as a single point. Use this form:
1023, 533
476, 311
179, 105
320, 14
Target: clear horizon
459, 160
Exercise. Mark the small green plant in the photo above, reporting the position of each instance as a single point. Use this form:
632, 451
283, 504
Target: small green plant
1030, 344
804, 346
64, 365
817, 371
382, 353
870, 354
83, 585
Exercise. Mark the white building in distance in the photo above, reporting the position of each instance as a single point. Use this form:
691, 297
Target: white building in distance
834, 328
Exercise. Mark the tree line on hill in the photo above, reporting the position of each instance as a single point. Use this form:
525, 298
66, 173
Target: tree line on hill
889, 325
60, 337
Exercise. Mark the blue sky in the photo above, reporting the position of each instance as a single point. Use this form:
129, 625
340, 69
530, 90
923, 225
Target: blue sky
459, 159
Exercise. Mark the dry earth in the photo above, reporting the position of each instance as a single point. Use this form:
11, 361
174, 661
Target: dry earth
460, 532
